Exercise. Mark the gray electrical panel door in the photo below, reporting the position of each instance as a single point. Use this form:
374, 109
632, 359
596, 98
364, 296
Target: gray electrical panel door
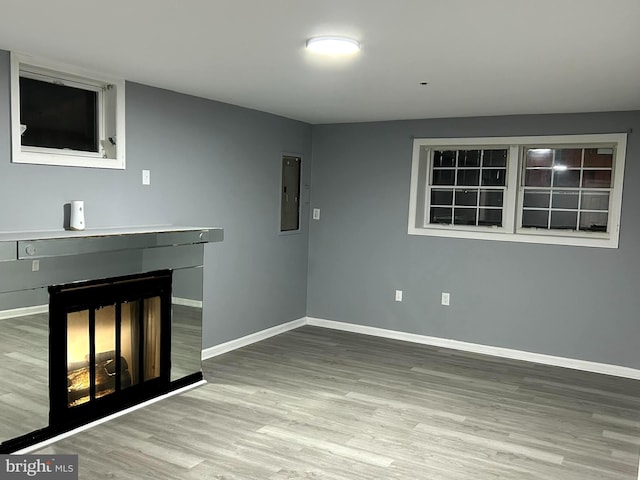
290, 198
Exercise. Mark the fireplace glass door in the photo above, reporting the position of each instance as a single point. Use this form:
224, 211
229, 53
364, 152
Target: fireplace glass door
109, 342
123, 356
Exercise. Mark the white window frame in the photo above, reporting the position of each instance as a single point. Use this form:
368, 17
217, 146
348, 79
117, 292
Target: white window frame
111, 115
511, 230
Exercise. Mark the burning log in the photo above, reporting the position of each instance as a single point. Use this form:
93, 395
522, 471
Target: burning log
79, 378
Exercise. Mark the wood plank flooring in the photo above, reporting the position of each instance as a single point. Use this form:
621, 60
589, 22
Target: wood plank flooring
24, 375
322, 404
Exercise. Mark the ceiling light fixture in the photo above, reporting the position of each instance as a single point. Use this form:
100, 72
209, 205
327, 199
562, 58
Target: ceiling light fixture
333, 45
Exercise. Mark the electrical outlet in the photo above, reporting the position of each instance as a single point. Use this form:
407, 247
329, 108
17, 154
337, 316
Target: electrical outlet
316, 214
398, 295
446, 297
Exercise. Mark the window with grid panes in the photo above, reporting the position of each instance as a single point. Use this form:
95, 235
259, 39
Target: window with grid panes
467, 187
567, 188
553, 189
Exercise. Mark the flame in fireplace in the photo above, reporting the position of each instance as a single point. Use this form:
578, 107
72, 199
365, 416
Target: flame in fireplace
78, 369
106, 361
79, 379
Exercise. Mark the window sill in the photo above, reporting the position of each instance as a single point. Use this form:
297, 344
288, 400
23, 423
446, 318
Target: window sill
592, 240
68, 160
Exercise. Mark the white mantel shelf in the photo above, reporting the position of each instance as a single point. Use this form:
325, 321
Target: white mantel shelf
97, 232
35, 245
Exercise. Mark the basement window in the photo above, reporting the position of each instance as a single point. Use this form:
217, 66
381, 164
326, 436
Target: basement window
564, 190
64, 116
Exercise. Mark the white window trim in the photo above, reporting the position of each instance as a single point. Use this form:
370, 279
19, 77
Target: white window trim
112, 157
511, 213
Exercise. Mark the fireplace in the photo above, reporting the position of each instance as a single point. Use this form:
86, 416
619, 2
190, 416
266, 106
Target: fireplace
109, 344
95, 322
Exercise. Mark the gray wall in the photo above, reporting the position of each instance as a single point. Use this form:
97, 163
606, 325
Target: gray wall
212, 164
217, 164
575, 302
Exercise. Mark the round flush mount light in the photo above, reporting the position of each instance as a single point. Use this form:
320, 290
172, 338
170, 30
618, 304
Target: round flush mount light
333, 45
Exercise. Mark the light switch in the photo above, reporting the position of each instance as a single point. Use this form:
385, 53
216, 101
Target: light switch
146, 177
445, 298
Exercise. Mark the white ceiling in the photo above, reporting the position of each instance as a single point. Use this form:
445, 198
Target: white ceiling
480, 57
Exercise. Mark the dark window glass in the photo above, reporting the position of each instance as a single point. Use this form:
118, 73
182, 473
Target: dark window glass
465, 216
595, 201
468, 177
441, 215
594, 222
441, 197
567, 178
568, 200
494, 158
569, 157
536, 199
596, 178
564, 220
489, 217
58, 116
564, 188
491, 198
494, 177
535, 218
598, 157
537, 178
444, 158
469, 158
539, 157
466, 197
443, 177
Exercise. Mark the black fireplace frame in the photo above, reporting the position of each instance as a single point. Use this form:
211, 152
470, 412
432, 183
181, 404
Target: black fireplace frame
92, 295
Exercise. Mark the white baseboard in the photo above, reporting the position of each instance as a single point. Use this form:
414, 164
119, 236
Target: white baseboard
595, 367
64, 435
187, 302
615, 370
252, 338
23, 311
541, 358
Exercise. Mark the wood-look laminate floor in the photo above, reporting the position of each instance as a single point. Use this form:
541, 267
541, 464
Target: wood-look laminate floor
24, 375
322, 404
